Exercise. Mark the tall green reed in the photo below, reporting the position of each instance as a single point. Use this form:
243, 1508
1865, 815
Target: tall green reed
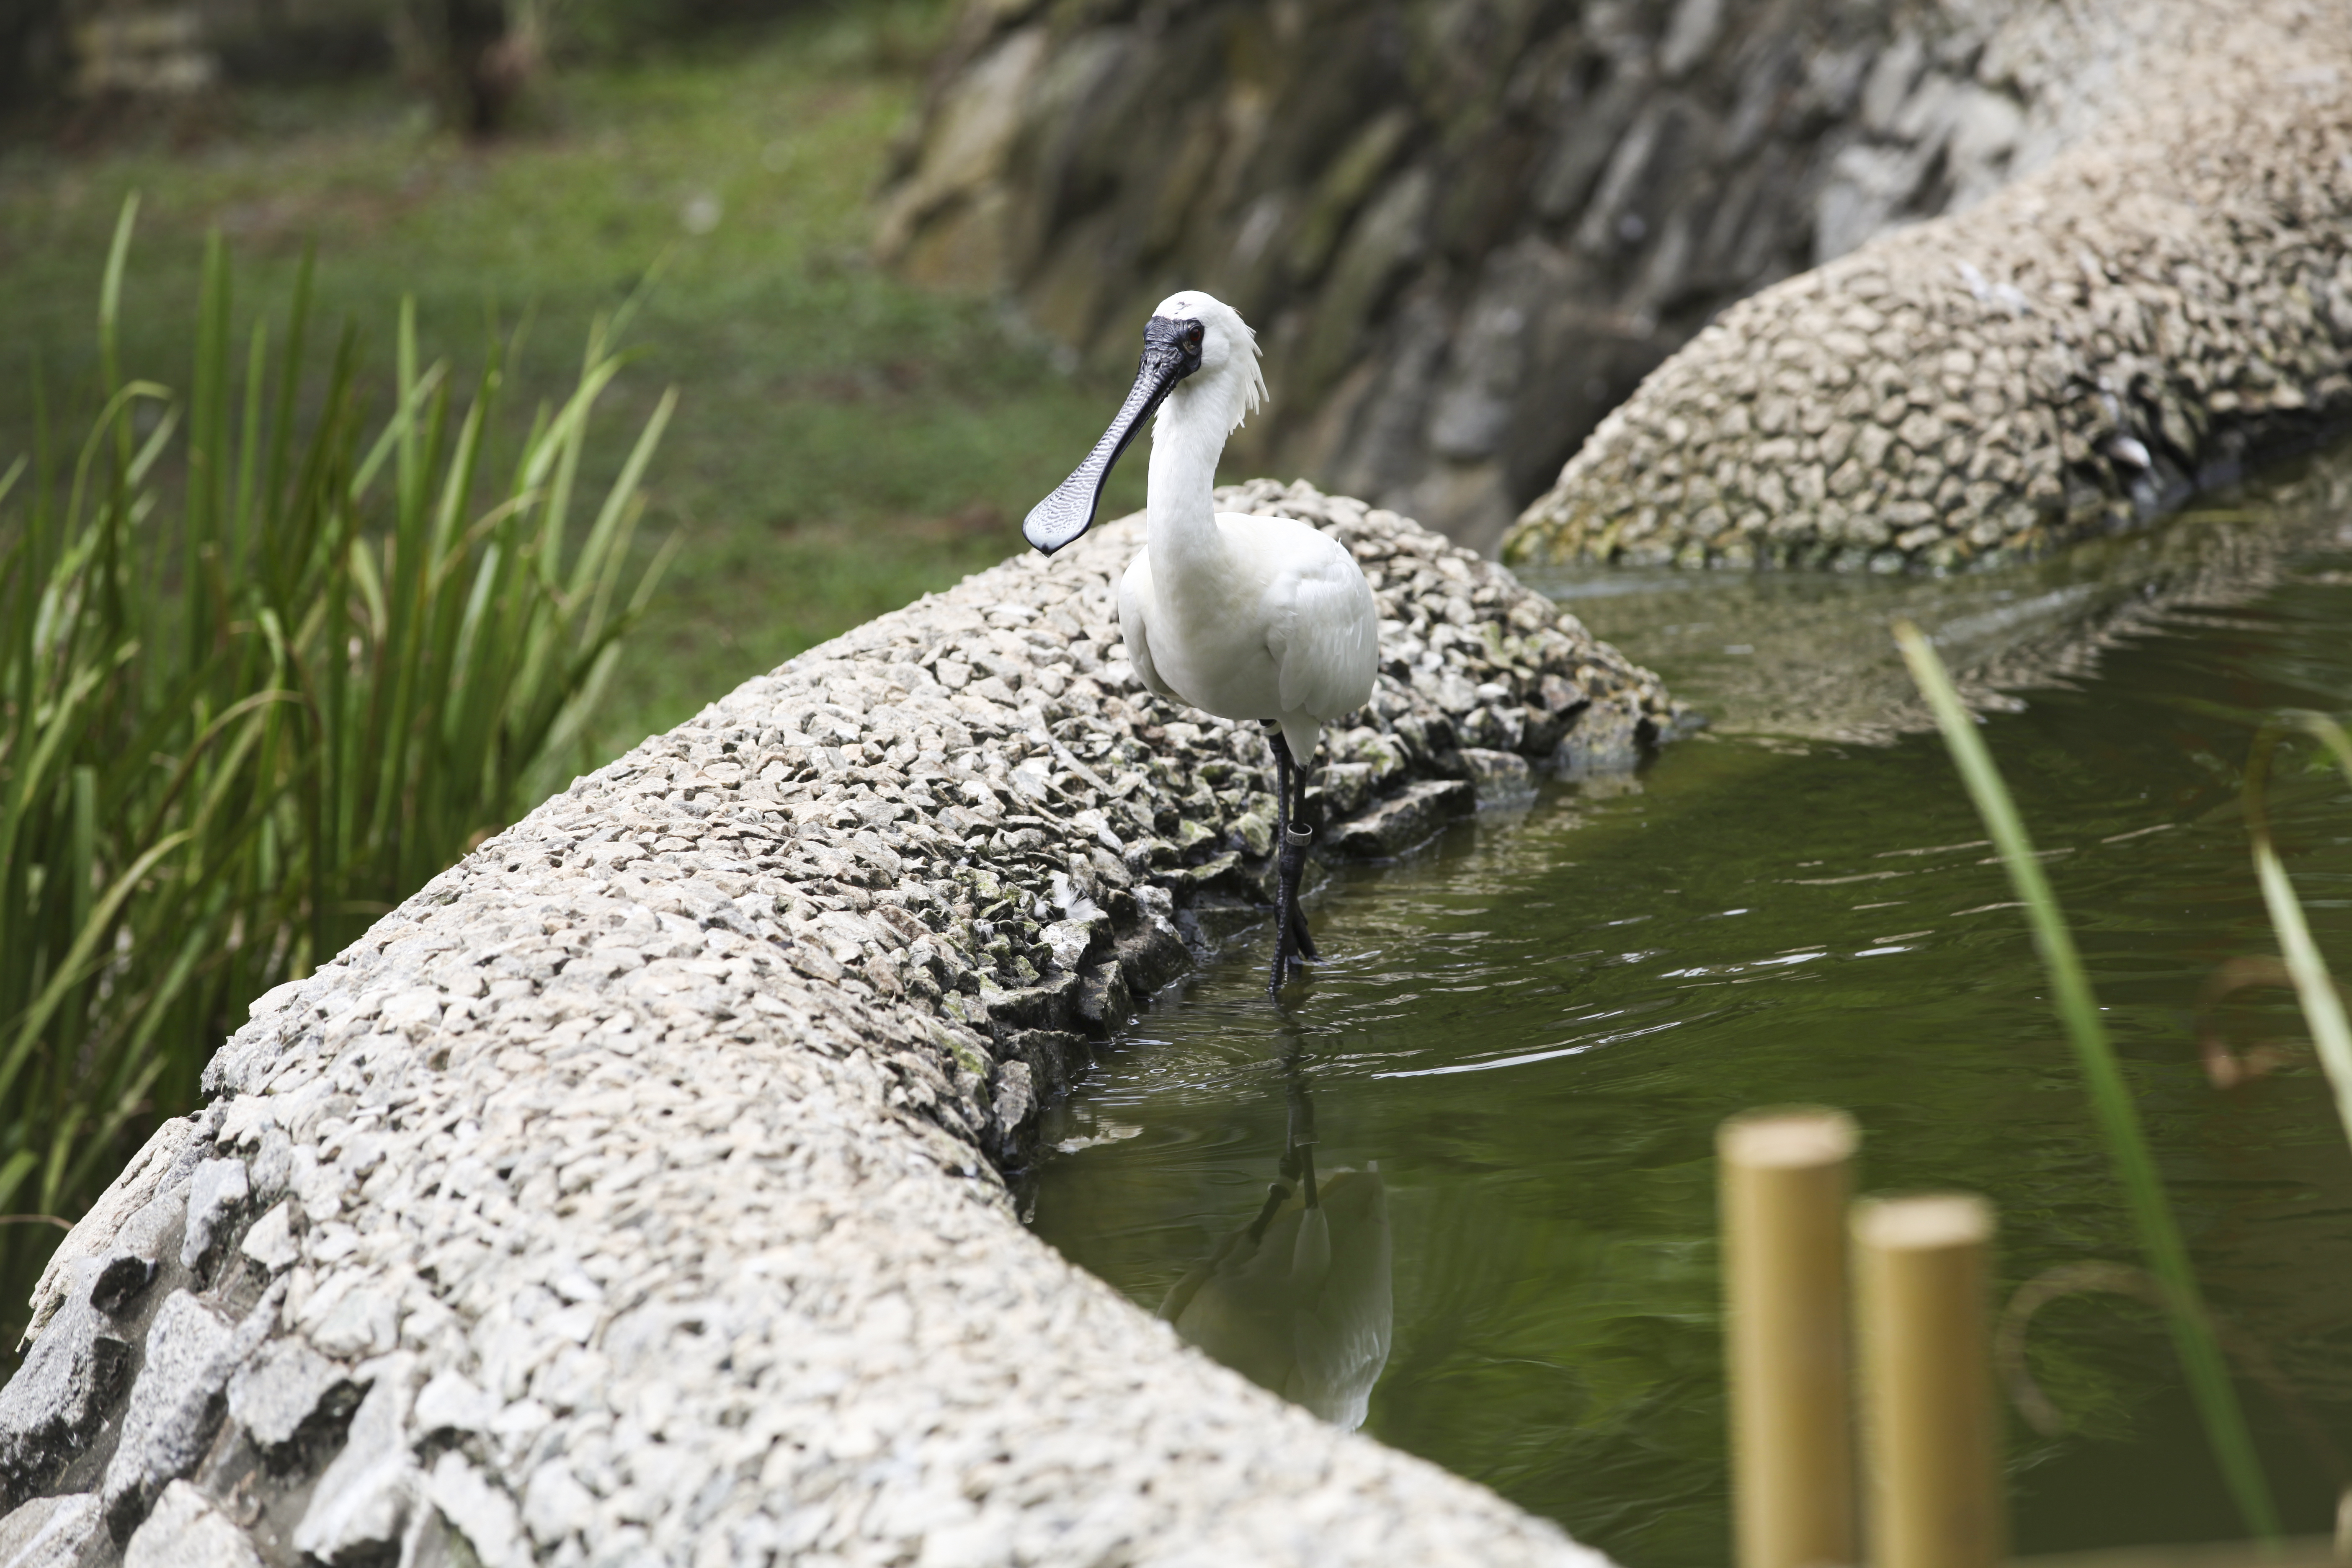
2110, 1098
265, 668
2314, 988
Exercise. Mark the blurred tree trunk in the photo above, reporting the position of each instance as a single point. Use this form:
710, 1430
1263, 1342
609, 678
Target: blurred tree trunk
33, 55
476, 57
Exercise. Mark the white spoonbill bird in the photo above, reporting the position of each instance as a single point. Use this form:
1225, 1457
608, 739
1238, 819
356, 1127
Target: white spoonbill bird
1248, 618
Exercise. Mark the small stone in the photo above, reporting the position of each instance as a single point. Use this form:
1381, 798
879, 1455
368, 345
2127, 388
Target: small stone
1453, 692
101, 1228
1223, 870
1151, 957
271, 1242
451, 1403
139, 1248
365, 1497
1345, 787
279, 1388
485, 1516
1067, 941
217, 1188
174, 1406
573, 1283
1499, 778
555, 1505
1105, 1003
52, 1407
50, 1532
1040, 1006
1017, 1096
432, 1543
273, 1163
365, 1322
1395, 825
187, 1530
1606, 740
413, 1012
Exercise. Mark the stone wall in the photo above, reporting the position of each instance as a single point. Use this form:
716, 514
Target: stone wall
2164, 302
636, 1191
1465, 228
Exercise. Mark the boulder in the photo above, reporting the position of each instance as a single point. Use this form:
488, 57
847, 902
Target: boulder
1408, 819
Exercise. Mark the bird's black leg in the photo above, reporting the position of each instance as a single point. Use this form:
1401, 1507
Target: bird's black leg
1291, 941
1295, 832
1276, 1195
1285, 873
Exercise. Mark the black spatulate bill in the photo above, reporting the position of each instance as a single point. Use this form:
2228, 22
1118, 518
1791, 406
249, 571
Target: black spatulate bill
1171, 350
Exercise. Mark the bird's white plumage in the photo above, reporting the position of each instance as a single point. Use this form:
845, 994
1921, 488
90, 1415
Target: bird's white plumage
1326, 637
1134, 629
1244, 616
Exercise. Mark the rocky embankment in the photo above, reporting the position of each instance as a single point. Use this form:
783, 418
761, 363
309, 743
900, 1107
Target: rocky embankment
2165, 300
635, 1192
1466, 232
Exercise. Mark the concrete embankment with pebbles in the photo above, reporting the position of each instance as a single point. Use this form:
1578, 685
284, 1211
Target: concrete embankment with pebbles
635, 1192
2164, 301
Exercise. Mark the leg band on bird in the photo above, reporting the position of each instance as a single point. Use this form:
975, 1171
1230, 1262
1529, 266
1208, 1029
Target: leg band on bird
1292, 942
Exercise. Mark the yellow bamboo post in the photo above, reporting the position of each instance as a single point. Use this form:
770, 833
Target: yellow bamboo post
1922, 1269
1786, 1177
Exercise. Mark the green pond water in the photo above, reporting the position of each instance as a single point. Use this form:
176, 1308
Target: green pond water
1532, 1026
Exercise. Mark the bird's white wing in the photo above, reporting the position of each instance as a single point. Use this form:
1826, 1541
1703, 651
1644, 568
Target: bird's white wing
1322, 626
1134, 595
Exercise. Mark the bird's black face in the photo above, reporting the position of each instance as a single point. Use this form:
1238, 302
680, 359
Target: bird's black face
1171, 350
1176, 341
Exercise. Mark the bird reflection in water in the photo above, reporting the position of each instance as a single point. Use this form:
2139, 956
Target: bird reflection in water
1298, 1301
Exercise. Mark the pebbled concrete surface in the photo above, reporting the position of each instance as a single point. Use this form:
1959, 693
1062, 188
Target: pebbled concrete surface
644, 1175
2164, 300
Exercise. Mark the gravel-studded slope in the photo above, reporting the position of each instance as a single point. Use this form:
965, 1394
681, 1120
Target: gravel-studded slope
634, 1193
2165, 301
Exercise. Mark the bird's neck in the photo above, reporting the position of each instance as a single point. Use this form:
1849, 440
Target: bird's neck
1181, 517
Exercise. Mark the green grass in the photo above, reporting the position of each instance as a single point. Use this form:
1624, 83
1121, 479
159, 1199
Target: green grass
269, 659
843, 442
2316, 988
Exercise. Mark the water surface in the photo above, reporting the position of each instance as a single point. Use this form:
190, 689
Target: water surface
1532, 1027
